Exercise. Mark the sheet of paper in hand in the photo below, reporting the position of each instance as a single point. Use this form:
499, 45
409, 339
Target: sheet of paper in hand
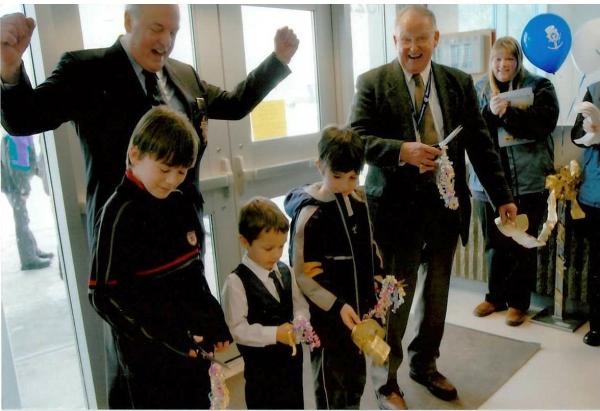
520, 98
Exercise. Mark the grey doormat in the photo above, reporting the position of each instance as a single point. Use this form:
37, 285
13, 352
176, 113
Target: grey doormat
477, 363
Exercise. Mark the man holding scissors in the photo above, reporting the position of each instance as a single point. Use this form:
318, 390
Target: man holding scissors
402, 110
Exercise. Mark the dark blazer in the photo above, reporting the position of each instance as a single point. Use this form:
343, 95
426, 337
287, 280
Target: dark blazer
99, 92
381, 113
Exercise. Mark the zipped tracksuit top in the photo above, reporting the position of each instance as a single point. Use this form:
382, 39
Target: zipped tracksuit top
333, 254
147, 277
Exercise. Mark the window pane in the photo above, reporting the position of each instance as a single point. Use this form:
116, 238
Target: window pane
292, 108
210, 259
367, 23
39, 320
475, 17
102, 24
519, 16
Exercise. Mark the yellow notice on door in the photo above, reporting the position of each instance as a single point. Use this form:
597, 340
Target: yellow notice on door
268, 120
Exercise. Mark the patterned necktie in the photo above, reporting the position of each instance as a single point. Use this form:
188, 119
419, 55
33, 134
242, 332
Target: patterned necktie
426, 126
278, 285
152, 89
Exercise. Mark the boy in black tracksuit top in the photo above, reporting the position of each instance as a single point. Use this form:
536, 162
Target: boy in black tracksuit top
147, 278
335, 259
261, 300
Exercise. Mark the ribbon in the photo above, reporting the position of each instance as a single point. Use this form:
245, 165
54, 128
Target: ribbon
445, 179
368, 335
562, 186
391, 295
219, 393
303, 333
291, 342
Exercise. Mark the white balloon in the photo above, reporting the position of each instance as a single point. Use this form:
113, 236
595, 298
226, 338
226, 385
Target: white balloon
586, 47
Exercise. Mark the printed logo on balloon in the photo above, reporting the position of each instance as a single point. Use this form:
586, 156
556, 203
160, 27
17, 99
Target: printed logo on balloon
546, 41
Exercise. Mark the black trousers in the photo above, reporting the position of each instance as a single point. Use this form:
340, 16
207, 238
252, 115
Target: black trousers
154, 379
274, 381
511, 267
417, 237
339, 375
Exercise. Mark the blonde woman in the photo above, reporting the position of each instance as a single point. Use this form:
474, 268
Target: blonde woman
522, 135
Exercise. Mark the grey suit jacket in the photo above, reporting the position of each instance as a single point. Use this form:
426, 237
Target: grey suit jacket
99, 92
381, 113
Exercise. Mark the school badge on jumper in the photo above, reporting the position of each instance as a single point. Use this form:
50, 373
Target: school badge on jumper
191, 237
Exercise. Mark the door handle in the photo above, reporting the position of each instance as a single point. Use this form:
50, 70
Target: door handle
244, 175
224, 180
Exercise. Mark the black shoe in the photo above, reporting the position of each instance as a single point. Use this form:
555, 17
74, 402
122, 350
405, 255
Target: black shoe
437, 384
43, 254
35, 264
592, 338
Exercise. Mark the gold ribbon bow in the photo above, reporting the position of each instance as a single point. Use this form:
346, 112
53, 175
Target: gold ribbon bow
562, 186
565, 184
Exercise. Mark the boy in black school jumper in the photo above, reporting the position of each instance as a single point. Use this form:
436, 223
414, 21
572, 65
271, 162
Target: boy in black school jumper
335, 259
260, 301
147, 279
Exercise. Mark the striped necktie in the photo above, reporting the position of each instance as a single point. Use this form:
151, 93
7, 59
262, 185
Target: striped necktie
426, 126
152, 89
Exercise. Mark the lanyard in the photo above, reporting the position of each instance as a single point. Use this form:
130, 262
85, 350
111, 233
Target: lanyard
418, 118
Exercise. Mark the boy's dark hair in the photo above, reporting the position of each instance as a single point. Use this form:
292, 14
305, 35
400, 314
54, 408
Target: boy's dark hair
167, 136
342, 150
260, 214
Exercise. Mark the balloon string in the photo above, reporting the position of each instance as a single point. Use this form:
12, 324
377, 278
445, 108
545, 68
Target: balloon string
575, 99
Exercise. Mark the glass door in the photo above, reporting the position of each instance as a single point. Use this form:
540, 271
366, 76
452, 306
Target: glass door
266, 153
39, 339
273, 149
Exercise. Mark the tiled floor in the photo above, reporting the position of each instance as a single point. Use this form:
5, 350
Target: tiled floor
564, 374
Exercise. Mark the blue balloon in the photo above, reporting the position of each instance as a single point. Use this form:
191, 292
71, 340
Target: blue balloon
546, 41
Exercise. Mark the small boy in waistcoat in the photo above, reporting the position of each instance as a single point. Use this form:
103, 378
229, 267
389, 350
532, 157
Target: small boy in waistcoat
260, 301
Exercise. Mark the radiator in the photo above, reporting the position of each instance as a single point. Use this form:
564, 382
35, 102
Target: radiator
469, 261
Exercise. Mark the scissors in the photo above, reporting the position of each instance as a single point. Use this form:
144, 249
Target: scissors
207, 356
450, 137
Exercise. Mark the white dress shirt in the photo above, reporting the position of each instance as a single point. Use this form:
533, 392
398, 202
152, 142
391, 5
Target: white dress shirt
166, 89
235, 306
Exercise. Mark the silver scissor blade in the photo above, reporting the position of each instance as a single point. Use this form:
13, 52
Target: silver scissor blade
211, 358
451, 136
